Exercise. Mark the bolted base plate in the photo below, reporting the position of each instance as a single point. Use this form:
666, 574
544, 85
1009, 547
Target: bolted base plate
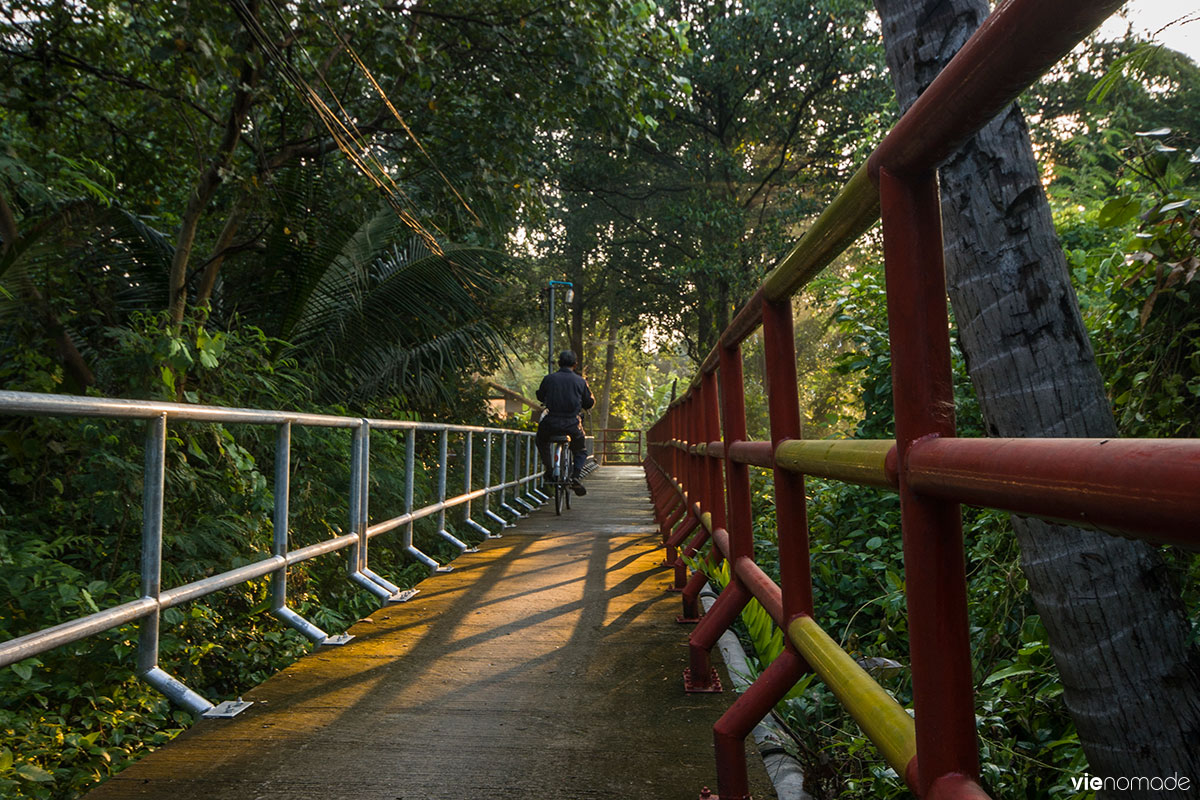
444, 568
691, 687
403, 596
673, 588
227, 710
706, 794
333, 641
682, 620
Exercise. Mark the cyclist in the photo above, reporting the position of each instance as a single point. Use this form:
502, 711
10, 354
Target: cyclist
565, 394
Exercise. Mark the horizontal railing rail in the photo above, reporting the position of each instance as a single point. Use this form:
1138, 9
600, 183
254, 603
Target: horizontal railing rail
618, 446
699, 453
516, 481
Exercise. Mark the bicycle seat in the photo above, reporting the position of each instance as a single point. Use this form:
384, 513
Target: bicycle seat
560, 438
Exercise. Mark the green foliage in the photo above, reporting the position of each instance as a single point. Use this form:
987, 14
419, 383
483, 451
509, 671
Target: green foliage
371, 309
861, 311
69, 544
1136, 258
671, 235
1089, 106
1027, 738
1028, 743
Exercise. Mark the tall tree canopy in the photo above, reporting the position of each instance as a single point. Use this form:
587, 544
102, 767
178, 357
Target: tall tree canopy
785, 100
211, 124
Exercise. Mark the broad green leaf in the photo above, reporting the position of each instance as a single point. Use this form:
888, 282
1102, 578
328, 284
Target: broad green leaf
1008, 672
32, 772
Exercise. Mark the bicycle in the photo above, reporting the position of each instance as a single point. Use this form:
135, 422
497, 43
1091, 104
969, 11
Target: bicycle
561, 472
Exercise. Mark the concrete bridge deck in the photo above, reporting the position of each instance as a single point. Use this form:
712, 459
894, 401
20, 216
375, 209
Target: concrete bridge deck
547, 665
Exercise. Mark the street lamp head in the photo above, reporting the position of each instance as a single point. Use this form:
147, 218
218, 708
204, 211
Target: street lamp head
569, 296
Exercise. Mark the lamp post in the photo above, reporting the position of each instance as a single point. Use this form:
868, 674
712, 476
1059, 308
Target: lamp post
568, 296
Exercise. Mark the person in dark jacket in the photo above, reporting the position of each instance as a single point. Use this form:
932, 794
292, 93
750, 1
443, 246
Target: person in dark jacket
565, 394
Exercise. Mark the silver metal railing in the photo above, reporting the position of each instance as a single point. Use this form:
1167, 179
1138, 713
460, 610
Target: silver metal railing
148, 608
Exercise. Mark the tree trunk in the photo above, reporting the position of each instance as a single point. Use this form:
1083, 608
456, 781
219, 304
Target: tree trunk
722, 316
577, 324
78, 374
1117, 629
610, 355
203, 191
208, 278
706, 330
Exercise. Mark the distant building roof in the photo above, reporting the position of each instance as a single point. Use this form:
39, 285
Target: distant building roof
509, 394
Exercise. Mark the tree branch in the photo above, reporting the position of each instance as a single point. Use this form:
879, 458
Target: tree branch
203, 191
77, 370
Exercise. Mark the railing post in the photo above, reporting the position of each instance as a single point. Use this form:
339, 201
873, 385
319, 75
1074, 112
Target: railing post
153, 487
357, 568
487, 497
504, 475
710, 489
410, 471
535, 471
735, 725
694, 465
934, 563
520, 471
443, 470
791, 514
279, 544
469, 458
741, 539
737, 475
711, 416
687, 521
694, 471
532, 470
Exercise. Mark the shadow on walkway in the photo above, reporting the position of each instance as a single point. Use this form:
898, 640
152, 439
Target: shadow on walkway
547, 665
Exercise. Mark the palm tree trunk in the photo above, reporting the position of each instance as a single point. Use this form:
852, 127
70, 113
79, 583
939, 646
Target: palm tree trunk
1117, 628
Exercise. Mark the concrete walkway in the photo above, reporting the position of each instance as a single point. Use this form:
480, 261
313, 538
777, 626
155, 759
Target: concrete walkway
548, 665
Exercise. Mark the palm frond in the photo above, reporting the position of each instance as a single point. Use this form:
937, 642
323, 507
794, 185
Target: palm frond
106, 246
422, 316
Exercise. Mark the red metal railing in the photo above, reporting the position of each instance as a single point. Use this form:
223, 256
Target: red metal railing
618, 446
698, 472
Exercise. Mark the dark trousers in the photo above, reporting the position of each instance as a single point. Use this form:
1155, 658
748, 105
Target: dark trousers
561, 426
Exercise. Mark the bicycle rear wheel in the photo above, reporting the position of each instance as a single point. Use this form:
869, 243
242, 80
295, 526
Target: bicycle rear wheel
562, 488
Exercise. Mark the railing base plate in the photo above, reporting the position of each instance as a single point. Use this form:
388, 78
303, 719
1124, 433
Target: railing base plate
403, 596
706, 794
713, 687
337, 640
227, 709
682, 620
